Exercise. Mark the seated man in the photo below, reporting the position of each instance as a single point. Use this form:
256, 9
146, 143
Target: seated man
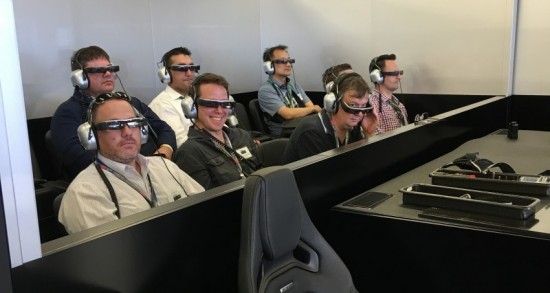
386, 76
93, 74
279, 98
214, 154
332, 73
347, 117
120, 181
178, 71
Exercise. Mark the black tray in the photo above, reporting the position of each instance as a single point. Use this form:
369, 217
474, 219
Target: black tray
469, 200
524, 184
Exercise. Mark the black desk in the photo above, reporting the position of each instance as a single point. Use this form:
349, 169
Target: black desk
448, 256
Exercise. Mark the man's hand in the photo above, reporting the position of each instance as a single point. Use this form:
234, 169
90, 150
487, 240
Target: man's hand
166, 151
370, 123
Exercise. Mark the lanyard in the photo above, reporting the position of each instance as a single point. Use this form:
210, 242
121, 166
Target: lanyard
346, 140
227, 150
288, 99
152, 202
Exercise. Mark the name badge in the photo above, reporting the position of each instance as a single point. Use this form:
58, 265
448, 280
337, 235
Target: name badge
244, 152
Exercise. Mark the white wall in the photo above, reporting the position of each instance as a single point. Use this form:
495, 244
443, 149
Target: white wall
445, 47
532, 74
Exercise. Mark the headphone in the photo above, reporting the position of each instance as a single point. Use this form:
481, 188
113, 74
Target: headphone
86, 131
164, 73
333, 96
78, 76
268, 67
376, 75
189, 103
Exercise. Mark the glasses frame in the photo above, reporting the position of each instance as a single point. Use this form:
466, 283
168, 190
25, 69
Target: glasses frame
392, 73
355, 110
185, 67
225, 104
102, 69
284, 61
119, 124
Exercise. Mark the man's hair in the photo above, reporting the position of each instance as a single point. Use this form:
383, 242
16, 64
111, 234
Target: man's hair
207, 78
332, 72
81, 57
176, 51
356, 83
381, 61
268, 53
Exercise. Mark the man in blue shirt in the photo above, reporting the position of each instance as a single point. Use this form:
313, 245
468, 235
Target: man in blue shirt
280, 99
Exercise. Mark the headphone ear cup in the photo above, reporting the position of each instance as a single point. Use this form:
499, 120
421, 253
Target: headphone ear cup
87, 137
328, 87
376, 76
233, 109
164, 75
268, 68
79, 79
189, 108
329, 102
144, 134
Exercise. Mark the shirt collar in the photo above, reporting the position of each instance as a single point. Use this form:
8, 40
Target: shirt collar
172, 93
124, 168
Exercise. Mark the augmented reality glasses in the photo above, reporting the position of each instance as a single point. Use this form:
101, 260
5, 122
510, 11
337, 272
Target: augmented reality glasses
185, 67
225, 104
119, 124
356, 110
393, 73
284, 61
102, 69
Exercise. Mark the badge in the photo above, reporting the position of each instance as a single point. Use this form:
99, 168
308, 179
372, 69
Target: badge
244, 152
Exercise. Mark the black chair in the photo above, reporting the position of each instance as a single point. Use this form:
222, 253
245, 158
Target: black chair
242, 116
257, 117
281, 250
55, 160
272, 151
59, 228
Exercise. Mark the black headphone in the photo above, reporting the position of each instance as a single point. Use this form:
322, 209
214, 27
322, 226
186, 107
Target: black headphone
79, 78
87, 132
189, 103
376, 75
333, 97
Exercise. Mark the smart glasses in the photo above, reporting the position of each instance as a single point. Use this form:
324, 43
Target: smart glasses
119, 124
356, 110
102, 69
185, 67
284, 61
226, 104
393, 73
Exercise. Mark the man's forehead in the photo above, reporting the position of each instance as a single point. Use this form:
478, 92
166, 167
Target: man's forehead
280, 53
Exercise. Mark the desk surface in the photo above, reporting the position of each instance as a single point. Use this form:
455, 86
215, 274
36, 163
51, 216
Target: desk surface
529, 154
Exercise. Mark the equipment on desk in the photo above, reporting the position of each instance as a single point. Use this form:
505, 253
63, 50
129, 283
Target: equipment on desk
475, 173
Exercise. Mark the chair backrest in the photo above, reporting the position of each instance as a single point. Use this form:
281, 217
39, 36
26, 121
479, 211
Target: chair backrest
272, 151
257, 117
55, 160
281, 250
59, 228
242, 116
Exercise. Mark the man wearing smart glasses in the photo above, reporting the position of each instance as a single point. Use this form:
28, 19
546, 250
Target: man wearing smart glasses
279, 98
120, 181
93, 75
178, 72
347, 117
386, 76
214, 154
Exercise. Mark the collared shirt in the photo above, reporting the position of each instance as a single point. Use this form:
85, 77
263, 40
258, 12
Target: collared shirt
271, 101
388, 115
87, 201
167, 105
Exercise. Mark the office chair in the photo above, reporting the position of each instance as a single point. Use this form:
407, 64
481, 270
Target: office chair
257, 117
271, 152
59, 228
281, 250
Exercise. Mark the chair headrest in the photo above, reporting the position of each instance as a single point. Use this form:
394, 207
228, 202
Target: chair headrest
280, 210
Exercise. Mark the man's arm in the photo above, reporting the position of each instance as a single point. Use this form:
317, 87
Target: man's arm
291, 113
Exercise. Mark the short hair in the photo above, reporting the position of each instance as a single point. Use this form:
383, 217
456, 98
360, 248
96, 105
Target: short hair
332, 72
356, 83
268, 53
380, 62
207, 78
81, 57
176, 51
